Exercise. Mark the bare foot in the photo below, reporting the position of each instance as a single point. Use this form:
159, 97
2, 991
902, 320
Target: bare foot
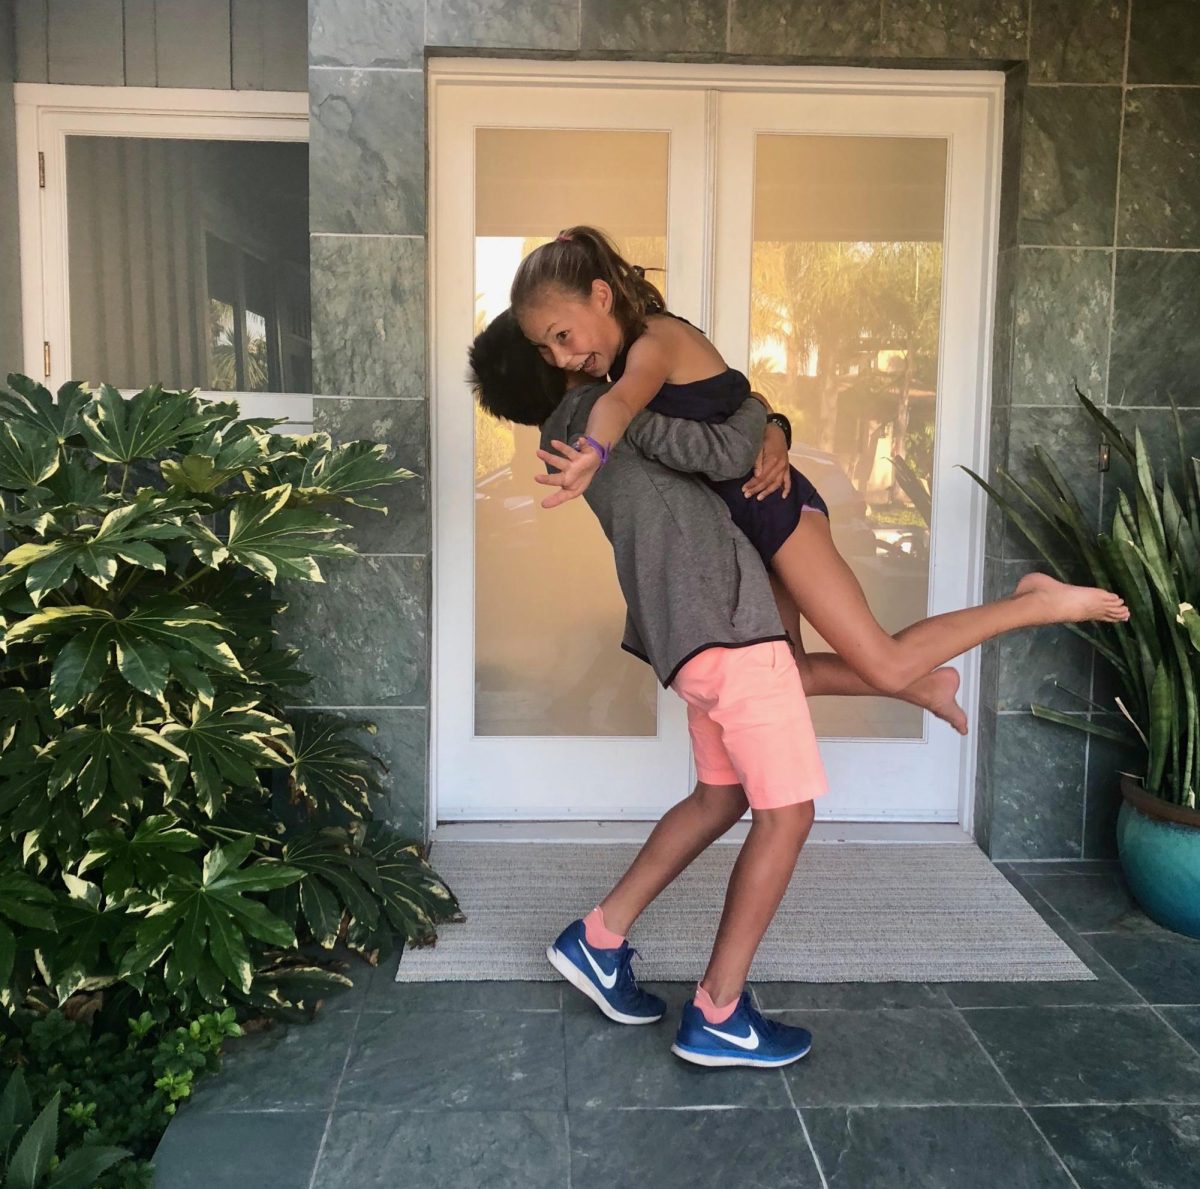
1056, 602
937, 693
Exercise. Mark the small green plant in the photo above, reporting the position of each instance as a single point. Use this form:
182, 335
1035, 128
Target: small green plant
1151, 558
112, 1091
30, 1146
167, 826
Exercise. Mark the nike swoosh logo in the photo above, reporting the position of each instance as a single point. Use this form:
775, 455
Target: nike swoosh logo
749, 1043
607, 981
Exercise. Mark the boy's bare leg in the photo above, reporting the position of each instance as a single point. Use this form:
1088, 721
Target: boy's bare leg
756, 885
684, 831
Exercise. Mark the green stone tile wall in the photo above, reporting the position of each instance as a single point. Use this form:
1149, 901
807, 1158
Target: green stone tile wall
1099, 264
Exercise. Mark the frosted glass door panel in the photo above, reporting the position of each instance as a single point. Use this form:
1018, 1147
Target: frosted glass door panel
845, 306
548, 612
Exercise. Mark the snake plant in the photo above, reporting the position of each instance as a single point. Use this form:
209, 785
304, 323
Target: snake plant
1150, 557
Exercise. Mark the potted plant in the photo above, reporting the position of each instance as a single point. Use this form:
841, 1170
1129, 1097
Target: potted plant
1151, 557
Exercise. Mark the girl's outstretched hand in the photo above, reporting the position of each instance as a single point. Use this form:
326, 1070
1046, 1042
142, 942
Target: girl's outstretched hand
575, 470
772, 469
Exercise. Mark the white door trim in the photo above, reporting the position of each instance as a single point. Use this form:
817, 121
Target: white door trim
46, 114
446, 73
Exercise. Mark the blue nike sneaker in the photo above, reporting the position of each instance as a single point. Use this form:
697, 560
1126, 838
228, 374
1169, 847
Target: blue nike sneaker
604, 976
746, 1038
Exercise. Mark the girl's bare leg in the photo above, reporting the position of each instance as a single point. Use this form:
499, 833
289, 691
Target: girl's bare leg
825, 673
684, 832
827, 592
759, 878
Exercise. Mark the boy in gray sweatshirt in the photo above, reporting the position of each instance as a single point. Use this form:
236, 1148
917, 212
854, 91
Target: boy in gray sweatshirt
701, 613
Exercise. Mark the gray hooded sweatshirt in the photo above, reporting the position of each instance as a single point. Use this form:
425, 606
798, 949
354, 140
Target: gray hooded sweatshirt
690, 578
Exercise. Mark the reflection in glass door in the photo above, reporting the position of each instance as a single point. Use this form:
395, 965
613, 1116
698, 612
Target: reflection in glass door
853, 244
547, 606
846, 275
538, 712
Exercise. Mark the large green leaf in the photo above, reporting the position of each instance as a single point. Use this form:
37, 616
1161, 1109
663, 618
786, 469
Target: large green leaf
87, 929
27, 903
318, 471
81, 1168
154, 853
125, 534
109, 759
225, 743
219, 455
122, 431
157, 638
29, 405
205, 920
273, 540
331, 770
28, 456
31, 1160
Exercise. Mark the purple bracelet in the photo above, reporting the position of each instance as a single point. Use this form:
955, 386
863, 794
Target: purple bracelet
600, 449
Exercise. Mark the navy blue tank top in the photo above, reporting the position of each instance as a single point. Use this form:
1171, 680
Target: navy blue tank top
767, 523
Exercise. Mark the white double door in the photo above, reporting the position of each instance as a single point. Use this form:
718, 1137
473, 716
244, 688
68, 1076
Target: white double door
834, 232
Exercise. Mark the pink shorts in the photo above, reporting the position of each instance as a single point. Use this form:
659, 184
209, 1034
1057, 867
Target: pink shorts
749, 723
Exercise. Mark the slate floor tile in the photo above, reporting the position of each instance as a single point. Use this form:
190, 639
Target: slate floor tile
1078, 1055
668, 1149
1089, 903
446, 1150
202, 1150
1106, 988
1061, 866
495, 996
891, 1058
1163, 967
1126, 1147
945, 1147
292, 1067
848, 996
425, 1060
1185, 1021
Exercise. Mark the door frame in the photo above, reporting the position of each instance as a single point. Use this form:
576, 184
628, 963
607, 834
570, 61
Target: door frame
985, 85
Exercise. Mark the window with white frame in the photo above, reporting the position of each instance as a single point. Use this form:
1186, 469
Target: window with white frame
165, 241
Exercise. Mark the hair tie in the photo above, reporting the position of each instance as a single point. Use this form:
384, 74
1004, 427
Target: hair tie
562, 238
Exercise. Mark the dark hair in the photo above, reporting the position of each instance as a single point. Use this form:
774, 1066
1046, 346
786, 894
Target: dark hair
579, 256
508, 376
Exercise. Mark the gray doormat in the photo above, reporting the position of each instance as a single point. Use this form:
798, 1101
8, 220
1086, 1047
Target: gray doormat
853, 913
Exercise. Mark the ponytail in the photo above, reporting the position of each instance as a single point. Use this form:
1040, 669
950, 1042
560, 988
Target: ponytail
579, 256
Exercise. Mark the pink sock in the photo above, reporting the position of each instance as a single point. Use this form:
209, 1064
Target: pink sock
599, 935
709, 1010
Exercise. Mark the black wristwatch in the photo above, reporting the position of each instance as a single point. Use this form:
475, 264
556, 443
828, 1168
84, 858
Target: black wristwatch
784, 424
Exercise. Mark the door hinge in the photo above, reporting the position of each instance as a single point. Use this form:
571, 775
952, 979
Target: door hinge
41, 171
45, 359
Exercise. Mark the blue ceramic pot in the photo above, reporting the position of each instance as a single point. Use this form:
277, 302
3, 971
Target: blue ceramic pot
1159, 844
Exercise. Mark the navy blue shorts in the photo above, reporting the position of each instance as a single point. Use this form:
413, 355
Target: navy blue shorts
768, 523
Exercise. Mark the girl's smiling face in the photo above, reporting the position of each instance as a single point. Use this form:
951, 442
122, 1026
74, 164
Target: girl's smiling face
576, 334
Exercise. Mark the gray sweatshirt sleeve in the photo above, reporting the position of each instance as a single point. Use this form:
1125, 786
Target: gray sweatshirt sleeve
722, 451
